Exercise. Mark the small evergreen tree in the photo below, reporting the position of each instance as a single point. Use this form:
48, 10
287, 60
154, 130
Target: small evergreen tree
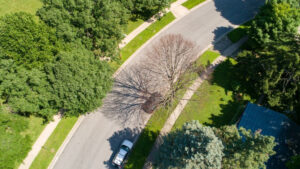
244, 149
194, 146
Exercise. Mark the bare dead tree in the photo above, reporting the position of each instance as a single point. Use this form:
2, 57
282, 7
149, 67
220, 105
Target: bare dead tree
141, 88
131, 90
168, 61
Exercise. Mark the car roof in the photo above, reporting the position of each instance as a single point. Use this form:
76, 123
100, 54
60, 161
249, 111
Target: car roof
127, 143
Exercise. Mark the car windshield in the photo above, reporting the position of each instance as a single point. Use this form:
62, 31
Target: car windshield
125, 148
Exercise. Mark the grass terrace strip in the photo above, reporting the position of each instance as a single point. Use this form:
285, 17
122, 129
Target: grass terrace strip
238, 33
48, 151
142, 38
146, 140
192, 3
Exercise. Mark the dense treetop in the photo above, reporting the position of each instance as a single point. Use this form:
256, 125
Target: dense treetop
244, 149
40, 75
194, 146
78, 80
273, 20
99, 24
27, 42
274, 72
272, 62
144, 8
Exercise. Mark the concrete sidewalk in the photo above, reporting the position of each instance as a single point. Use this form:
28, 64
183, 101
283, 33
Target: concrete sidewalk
39, 143
187, 96
176, 8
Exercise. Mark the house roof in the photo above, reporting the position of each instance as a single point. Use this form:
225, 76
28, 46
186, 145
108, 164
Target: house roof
272, 123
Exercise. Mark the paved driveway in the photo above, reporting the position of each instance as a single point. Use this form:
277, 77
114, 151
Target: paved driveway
101, 132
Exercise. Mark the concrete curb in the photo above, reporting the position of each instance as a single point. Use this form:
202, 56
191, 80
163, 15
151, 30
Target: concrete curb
123, 66
66, 141
146, 24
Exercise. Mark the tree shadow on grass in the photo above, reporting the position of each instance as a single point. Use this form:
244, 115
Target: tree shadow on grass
230, 113
116, 139
142, 148
225, 76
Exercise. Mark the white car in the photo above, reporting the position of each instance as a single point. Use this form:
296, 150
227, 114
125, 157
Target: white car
119, 158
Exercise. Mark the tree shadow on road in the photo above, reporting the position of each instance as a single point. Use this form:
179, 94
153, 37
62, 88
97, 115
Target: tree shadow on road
116, 139
238, 11
222, 45
131, 90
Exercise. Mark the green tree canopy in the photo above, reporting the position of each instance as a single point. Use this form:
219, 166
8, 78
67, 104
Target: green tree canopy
294, 162
244, 149
78, 80
145, 8
194, 146
273, 20
26, 91
75, 82
99, 24
26, 41
274, 72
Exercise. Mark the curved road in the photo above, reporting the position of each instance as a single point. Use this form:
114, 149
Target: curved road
101, 132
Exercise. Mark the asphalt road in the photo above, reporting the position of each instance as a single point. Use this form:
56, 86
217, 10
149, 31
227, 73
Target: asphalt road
99, 135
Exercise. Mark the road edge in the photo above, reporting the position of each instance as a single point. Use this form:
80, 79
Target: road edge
66, 141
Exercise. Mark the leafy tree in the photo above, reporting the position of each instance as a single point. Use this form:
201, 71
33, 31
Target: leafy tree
293, 3
26, 91
145, 8
14, 145
99, 24
244, 149
274, 71
273, 20
26, 41
194, 146
294, 162
78, 80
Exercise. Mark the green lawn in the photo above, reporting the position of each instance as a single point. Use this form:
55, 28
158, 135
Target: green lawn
17, 135
237, 34
11, 6
133, 24
35, 127
207, 57
192, 3
142, 38
147, 138
56, 139
215, 103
